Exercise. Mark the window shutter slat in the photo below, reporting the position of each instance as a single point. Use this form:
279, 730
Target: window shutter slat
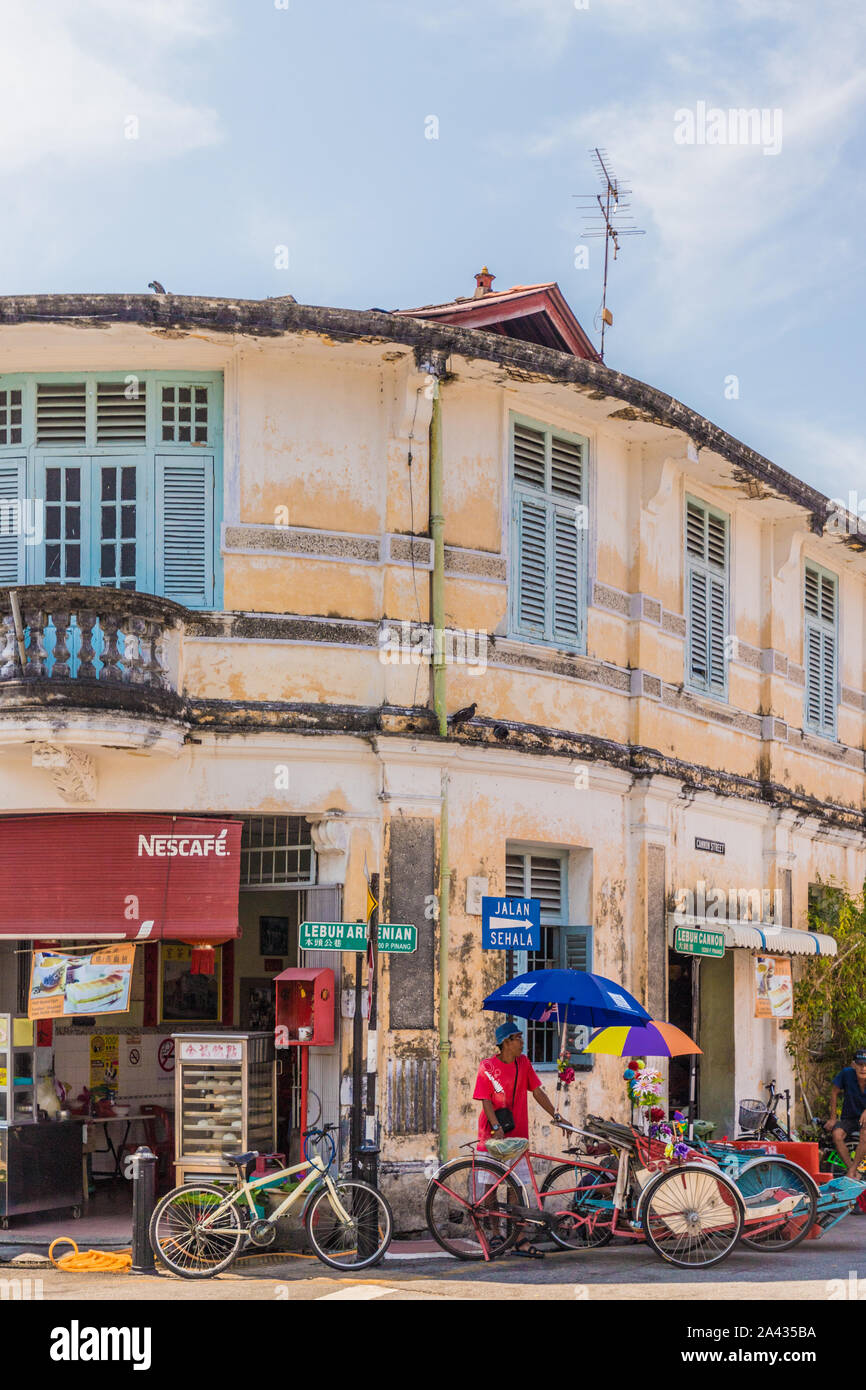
529, 466
566, 467
717, 633
820, 603
532, 566
121, 412
185, 559
11, 522
566, 577
696, 521
61, 412
698, 626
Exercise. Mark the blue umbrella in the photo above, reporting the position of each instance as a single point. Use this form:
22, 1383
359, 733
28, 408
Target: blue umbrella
567, 996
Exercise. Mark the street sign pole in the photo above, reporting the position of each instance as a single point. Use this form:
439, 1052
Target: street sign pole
372, 982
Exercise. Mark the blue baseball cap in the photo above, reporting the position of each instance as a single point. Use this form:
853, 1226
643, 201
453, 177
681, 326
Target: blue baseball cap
506, 1030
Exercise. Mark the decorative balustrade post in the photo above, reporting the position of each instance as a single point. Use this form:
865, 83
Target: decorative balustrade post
110, 654
62, 653
86, 624
9, 661
135, 653
35, 618
154, 645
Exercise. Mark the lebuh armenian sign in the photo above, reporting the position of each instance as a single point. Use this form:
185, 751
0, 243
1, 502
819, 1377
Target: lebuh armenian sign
510, 924
400, 938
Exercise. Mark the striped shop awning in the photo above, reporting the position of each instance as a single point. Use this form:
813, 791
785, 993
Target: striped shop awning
759, 936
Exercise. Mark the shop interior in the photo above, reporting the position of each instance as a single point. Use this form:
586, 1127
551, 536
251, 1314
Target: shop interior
115, 1075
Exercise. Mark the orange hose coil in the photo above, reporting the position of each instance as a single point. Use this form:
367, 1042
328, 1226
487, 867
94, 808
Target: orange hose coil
89, 1261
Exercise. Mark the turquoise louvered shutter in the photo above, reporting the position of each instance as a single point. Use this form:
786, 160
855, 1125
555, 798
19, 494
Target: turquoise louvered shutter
575, 953
532, 553
14, 519
706, 598
548, 583
820, 603
185, 530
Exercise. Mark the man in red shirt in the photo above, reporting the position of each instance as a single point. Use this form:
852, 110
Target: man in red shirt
505, 1081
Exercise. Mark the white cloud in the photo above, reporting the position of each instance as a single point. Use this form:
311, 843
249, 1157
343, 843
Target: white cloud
73, 73
733, 233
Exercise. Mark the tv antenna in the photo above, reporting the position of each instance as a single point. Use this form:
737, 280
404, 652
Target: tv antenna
605, 214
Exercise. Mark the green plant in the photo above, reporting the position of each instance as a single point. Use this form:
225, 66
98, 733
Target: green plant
829, 998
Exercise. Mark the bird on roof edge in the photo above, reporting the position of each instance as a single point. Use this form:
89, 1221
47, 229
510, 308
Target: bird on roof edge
157, 287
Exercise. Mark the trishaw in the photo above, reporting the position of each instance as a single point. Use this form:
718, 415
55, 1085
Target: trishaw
616, 1181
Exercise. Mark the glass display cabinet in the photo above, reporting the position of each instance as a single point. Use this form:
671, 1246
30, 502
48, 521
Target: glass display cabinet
41, 1165
225, 1100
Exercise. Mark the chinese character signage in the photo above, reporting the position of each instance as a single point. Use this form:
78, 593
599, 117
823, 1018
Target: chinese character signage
774, 989
93, 982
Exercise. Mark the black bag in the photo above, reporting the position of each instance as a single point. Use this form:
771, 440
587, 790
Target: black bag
505, 1116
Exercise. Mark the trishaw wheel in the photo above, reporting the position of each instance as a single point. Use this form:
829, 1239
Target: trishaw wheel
582, 1200
692, 1216
767, 1181
456, 1199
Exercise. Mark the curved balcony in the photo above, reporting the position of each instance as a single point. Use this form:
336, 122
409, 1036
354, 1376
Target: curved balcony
91, 666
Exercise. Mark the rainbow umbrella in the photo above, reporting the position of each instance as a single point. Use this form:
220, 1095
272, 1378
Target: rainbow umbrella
650, 1039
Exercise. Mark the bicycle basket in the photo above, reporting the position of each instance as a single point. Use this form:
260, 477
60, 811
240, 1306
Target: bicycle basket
752, 1113
506, 1150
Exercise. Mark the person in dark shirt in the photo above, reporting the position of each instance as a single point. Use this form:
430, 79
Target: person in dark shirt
850, 1084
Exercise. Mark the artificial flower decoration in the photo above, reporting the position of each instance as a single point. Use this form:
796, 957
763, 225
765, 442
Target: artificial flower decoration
565, 1069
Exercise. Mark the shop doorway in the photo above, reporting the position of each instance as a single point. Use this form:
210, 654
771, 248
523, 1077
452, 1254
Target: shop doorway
681, 984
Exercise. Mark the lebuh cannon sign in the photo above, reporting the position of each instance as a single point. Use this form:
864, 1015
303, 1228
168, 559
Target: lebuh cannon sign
400, 938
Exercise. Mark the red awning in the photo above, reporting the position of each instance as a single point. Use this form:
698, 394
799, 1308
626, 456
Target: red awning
124, 877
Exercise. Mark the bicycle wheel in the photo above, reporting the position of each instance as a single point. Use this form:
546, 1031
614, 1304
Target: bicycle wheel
762, 1184
692, 1216
457, 1208
582, 1199
354, 1240
188, 1240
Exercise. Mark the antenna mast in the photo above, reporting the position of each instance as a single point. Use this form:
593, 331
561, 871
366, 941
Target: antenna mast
604, 213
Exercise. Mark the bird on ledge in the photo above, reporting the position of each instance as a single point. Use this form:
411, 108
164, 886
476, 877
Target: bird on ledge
462, 716
157, 287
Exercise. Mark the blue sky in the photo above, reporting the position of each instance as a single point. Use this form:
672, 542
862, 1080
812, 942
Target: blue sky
260, 126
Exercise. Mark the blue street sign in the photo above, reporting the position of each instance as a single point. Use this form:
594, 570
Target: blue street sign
510, 924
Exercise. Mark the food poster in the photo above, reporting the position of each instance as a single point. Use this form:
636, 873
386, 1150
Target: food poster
774, 987
104, 1060
95, 982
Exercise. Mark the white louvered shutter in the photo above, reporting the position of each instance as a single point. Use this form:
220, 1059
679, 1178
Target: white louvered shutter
820, 650
184, 530
706, 598
12, 519
61, 412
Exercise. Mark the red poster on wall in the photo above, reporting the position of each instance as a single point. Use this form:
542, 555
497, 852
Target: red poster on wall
138, 877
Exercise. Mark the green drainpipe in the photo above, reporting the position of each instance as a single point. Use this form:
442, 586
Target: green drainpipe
437, 527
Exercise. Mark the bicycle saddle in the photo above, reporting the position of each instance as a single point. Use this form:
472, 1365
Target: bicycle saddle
242, 1160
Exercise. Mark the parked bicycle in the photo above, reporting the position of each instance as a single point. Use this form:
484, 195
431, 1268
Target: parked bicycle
198, 1230
758, 1118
